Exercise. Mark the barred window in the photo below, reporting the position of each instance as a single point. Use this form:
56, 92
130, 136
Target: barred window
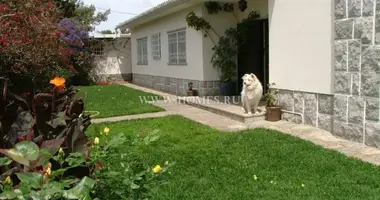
142, 51
177, 47
156, 46
97, 47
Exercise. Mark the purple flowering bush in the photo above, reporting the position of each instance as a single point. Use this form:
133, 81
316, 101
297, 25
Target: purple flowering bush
76, 38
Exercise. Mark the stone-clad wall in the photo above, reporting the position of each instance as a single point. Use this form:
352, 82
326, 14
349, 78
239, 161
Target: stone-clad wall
176, 86
354, 108
357, 70
316, 109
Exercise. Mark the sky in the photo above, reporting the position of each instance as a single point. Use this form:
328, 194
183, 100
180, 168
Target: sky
124, 6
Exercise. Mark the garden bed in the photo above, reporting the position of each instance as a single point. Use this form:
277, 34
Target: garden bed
115, 100
253, 164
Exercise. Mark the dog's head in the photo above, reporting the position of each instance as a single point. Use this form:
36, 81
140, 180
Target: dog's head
249, 81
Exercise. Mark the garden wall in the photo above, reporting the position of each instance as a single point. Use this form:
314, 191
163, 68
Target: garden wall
355, 103
115, 64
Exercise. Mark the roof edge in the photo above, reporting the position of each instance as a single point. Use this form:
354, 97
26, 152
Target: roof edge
160, 7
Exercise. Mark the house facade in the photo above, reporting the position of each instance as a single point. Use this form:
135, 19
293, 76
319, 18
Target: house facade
112, 57
323, 57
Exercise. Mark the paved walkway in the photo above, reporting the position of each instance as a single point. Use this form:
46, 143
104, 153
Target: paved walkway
315, 135
130, 117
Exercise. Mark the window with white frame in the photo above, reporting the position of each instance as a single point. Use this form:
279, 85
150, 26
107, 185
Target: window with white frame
156, 46
177, 47
142, 51
97, 47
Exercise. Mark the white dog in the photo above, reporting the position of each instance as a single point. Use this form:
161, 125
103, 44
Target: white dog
251, 93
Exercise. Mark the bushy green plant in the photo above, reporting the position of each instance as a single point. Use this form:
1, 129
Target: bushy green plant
126, 175
271, 96
33, 127
43, 116
36, 179
226, 50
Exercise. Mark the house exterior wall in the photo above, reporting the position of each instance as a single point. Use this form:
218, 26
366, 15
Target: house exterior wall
301, 45
220, 23
357, 70
158, 74
115, 64
352, 110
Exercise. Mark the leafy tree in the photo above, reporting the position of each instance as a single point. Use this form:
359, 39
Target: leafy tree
107, 32
85, 14
30, 46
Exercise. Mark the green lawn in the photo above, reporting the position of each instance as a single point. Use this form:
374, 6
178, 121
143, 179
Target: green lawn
115, 100
211, 165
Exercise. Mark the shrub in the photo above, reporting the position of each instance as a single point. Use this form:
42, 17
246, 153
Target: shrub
48, 156
29, 45
126, 175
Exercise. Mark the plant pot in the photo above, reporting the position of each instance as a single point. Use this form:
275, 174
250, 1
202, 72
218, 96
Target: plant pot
273, 114
227, 89
190, 93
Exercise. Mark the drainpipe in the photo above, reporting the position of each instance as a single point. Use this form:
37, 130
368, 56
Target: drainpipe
294, 113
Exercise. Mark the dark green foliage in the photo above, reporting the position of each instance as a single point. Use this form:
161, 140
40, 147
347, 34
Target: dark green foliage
214, 7
51, 120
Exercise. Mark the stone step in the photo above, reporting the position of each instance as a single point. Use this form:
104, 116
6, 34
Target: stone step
231, 111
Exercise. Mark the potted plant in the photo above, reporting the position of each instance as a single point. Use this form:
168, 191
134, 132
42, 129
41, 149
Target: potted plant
224, 60
190, 91
273, 109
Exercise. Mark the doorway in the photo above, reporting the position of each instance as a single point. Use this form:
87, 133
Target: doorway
253, 54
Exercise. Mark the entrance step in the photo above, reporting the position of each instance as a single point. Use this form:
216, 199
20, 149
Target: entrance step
231, 111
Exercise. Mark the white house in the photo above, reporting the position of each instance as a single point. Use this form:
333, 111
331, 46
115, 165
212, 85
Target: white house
112, 56
323, 55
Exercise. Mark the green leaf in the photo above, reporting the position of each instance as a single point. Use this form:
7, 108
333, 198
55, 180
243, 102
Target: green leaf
116, 141
75, 159
31, 179
23, 152
127, 181
134, 186
8, 195
23, 123
81, 190
58, 121
49, 193
58, 172
154, 138
5, 161
57, 185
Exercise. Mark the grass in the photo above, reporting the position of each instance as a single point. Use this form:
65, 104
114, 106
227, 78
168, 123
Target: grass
211, 165
115, 100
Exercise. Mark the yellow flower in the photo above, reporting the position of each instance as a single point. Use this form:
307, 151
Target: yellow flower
58, 82
96, 140
60, 151
8, 180
157, 169
47, 169
302, 185
106, 130
255, 177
